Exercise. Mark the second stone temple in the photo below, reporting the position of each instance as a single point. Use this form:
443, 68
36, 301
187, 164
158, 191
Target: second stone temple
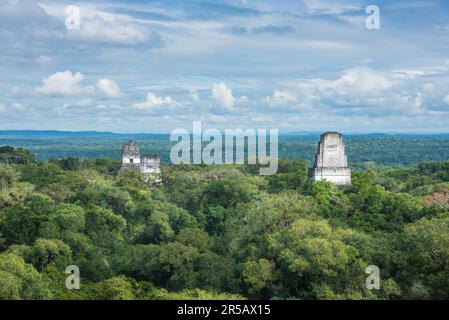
146, 164
331, 162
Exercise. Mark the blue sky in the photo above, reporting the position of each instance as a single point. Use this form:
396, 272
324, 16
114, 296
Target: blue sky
153, 66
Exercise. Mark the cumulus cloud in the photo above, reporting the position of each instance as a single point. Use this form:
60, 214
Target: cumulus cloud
408, 104
116, 32
359, 81
223, 96
108, 88
358, 86
64, 83
67, 83
152, 101
257, 67
20, 13
243, 101
280, 98
14, 106
359, 90
42, 20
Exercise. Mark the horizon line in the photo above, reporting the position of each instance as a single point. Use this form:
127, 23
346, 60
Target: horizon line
280, 132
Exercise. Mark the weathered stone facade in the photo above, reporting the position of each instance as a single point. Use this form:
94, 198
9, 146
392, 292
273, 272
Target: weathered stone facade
331, 162
147, 164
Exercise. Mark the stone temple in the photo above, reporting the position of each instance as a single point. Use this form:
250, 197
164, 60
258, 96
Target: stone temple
147, 164
331, 162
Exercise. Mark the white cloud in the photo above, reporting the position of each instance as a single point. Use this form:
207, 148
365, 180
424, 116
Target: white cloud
360, 86
61, 109
21, 12
223, 95
64, 83
356, 91
100, 30
67, 84
109, 88
154, 101
408, 104
361, 81
243, 101
2, 108
280, 98
446, 99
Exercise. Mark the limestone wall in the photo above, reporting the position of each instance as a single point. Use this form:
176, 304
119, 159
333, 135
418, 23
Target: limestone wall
130, 153
331, 162
339, 176
331, 151
149, 165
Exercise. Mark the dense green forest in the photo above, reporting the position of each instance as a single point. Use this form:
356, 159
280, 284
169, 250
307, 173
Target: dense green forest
363, 150
220, 232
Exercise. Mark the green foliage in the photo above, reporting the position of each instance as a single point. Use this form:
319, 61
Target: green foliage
311, 254
104, 227
196, 238
195, 294
20, 280
23, 218
253, 222
428, 240
117, 288
220, 232
258, 275
228, 193
8, 176
43, 253
10, 155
